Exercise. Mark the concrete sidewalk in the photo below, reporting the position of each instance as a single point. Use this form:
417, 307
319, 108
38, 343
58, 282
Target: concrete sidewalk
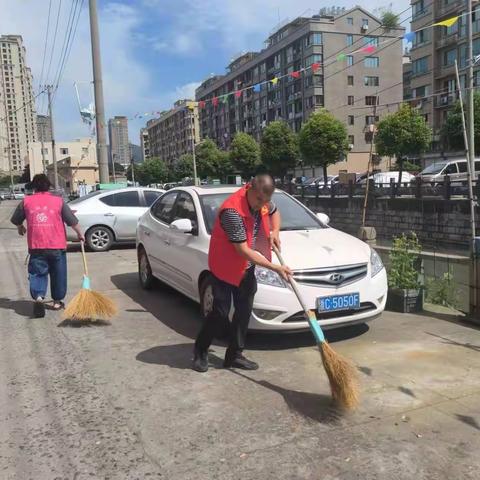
121, 402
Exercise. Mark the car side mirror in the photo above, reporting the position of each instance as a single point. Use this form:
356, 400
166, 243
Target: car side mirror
324, 218
183, 225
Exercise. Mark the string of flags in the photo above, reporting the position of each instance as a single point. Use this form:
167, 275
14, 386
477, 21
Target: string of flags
371, 47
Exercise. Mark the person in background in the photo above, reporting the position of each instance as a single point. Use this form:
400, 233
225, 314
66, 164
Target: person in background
46, 215
247, 223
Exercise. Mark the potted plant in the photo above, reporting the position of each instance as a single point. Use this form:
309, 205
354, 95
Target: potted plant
405, 292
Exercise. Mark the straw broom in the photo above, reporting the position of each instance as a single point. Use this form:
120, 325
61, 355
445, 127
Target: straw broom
89, 304
341, 374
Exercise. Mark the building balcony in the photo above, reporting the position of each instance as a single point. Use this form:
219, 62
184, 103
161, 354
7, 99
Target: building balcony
443, 10
446, 41
445, 71
446, 100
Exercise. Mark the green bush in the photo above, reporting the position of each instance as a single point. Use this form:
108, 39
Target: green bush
442, 291
404, 256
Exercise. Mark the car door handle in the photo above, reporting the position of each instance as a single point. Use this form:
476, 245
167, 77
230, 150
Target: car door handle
109, 215
146, 232
166, 241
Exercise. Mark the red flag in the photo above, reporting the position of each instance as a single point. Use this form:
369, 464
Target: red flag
215, 101
368, 49
238, 93
315, 67
295, 74
201, 104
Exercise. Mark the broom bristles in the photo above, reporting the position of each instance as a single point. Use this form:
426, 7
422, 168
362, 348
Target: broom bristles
90, 305
342, 376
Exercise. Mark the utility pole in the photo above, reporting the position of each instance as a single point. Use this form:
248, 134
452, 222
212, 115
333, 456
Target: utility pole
10, 165
373, 128
133, 172
113, 168
98, 91
54, 152
194, 159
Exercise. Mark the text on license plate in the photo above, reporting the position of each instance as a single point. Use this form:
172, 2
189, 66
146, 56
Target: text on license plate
348, 301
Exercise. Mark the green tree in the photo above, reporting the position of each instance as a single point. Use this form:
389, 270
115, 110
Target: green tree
183, 167
322, 140
452, 131
389, 19
279, 148
245, 154
206, 157
224, 166
151, 171
401, 134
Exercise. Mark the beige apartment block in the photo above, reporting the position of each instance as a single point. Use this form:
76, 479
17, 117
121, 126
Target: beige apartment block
119, 144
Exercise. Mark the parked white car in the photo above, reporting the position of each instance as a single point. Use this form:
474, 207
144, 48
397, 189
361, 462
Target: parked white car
383, 178
111, 216
340, 277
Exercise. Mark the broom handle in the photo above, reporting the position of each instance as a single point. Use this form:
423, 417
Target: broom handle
84, 257
314, 326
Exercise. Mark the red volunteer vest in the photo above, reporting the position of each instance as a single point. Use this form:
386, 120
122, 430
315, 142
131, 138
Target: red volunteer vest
45, 228
224, 262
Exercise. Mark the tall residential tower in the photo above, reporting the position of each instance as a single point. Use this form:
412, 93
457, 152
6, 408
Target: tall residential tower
119, 145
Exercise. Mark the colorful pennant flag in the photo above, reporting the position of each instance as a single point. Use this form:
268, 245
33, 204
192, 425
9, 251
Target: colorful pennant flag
225, 98
315, 67
409, 37
368, 49
295, 74
215, 101
446, 23
274, 81
238, 93
341, 57
256, 88
201, 104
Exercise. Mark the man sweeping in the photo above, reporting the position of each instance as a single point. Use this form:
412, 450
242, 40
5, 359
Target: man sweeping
46, 215
247, 226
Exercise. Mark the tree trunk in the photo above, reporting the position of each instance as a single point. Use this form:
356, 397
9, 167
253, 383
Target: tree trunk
325, 174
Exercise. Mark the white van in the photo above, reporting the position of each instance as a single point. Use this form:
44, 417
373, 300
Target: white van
455, 169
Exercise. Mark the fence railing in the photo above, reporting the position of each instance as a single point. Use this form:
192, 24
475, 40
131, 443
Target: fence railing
446, 189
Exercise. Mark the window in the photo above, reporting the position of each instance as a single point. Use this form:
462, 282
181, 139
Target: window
451, 168
420, 66
462, 167
150, 197
319, 100
162, 209
371, 100
351, 139
371, 62
371, 81
184, 208
370, 41
349, 40
349, 60
316, 38
350, 80
44, 151
350, 100
371, 120
449, 57
123, 199
64, 151
364, 22
349, 20
418, 9
351, 120
85, 150
420, 92
317, 58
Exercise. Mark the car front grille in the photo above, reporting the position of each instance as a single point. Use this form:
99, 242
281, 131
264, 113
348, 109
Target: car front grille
331, 276
300, 316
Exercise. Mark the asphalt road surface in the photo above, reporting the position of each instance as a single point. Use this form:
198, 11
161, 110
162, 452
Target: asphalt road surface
121, 402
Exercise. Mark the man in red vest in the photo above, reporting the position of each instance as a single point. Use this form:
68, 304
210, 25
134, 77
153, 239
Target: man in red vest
247, 226
46, 215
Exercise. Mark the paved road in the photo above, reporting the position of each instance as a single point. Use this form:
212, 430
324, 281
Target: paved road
120, 402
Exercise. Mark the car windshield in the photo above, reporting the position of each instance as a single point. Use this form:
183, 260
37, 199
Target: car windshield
294, 215
85, 197
434, 168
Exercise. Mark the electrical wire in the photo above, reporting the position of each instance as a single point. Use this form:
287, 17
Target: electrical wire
45, 44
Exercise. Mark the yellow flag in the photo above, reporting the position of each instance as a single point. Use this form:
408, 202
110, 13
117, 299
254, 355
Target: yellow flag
274, 81
447, 23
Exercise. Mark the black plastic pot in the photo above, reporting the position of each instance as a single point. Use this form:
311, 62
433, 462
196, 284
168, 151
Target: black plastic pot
405, 301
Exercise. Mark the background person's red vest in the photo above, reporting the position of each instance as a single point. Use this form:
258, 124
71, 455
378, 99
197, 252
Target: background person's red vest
45, 228
223, 260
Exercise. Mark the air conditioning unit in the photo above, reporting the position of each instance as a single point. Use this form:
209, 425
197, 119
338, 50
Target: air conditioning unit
350, 146
364, 28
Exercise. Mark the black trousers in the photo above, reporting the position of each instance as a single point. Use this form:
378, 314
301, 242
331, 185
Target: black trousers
217, 322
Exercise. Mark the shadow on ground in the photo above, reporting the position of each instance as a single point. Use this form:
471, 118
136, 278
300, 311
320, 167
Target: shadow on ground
182, 315
24, 308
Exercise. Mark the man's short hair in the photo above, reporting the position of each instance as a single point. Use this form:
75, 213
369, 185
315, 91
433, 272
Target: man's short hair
264, 184
40, 183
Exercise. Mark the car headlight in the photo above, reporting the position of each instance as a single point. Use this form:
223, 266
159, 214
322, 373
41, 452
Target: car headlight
268, 277
375, 262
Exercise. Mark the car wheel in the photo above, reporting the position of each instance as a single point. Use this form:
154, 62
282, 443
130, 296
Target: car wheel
144, 270
206, 296
99, 238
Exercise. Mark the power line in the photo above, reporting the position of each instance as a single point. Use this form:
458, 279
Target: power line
24, 105
45, 44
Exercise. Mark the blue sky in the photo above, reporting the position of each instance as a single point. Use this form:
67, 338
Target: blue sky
153, 51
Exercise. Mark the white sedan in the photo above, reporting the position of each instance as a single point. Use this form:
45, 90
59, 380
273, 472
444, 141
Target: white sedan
340, 277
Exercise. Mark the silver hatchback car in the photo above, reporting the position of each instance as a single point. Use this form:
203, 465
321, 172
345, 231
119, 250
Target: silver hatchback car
111, 216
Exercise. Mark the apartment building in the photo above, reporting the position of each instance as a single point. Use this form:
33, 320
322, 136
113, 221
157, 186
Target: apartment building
350, 85
17, 106
119, 145
433, 53
174, 133
144, 144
